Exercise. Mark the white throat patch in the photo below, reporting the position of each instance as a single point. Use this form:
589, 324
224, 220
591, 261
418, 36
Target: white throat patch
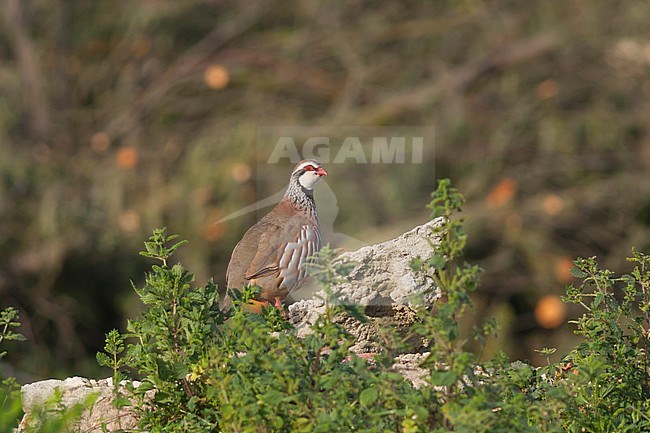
308, 179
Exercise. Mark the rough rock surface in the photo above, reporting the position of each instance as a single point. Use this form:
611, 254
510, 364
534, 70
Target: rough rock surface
383, 282
408, 365
76, 390
383, 276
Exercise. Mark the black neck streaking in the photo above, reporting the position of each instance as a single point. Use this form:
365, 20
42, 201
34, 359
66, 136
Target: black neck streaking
301, 197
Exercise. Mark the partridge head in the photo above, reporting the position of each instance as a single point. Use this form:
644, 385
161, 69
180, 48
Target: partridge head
273, 252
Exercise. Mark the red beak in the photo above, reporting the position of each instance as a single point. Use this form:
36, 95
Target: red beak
321, 171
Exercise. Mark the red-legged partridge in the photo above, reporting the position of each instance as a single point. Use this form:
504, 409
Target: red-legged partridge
272, 253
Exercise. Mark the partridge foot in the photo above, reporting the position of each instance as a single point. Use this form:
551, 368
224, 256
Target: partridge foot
278, 304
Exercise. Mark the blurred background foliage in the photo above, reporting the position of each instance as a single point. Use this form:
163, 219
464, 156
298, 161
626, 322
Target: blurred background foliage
120, 116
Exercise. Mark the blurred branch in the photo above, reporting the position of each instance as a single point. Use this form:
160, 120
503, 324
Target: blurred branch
58, 311
187, 64
313, 80
44, 262
30, 70
459, 79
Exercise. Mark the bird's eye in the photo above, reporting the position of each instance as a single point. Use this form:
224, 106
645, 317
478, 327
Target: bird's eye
309, 168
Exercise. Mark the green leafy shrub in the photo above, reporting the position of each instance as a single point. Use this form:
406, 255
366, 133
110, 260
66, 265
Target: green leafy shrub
10, 402
10, 405
600, 386
206, 370
242, 374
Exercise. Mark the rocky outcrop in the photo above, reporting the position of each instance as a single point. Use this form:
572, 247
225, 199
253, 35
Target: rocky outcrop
383, 283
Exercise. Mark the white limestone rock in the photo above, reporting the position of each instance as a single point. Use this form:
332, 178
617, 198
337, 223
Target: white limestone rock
77, 390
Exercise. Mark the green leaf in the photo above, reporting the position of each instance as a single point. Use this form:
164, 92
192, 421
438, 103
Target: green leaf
437, 261
443, 378
104, 360
121, 401
577, 272
416, 264
180, 370
368, 396
273, 397
357, 312
145, 386
598, 299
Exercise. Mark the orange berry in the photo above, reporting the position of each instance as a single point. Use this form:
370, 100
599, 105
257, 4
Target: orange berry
552, 204
127, 157
550, 312
216, 77
502, 193
547, 89
240, 172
